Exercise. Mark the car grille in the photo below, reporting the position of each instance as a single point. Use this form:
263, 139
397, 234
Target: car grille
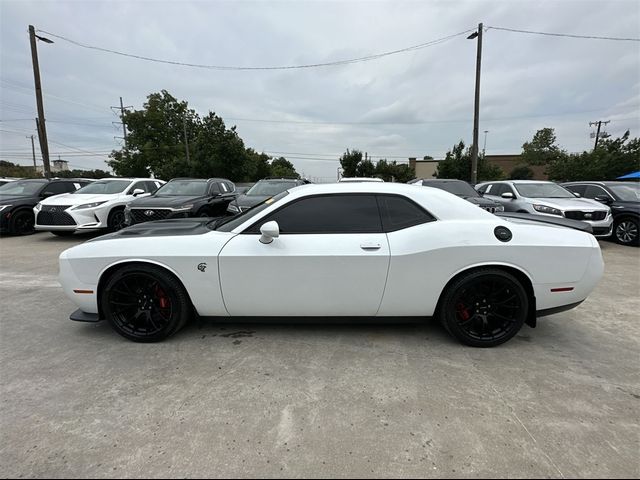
580, 215
601, 230
54, 215
139, 215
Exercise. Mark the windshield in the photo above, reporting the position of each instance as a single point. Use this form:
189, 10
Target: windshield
461, 189
269, 189
542, 190
21, 188
183, 188
229, 223
104, 187
627, 192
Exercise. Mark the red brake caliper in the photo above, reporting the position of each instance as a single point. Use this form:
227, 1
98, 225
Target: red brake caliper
462, 311
162, 297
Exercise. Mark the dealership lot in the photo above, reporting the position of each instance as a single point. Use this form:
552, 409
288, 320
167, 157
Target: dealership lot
274, 399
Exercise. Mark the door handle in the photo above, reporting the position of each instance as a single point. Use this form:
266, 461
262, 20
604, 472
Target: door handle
370, 246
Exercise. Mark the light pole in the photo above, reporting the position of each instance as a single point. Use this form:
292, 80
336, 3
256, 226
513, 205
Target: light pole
476, 106
42, 129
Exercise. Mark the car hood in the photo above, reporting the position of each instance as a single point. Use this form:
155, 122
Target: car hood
164, 201
13, 199
570, 203
249, 200
78, 199
162, 228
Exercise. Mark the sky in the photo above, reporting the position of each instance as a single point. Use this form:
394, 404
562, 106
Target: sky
409, 104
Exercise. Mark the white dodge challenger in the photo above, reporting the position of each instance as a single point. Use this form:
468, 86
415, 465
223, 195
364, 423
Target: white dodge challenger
350, 249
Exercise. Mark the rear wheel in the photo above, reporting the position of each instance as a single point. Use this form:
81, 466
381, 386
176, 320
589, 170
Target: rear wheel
22, 222
484, 308
145, 303
116, 220
626, 231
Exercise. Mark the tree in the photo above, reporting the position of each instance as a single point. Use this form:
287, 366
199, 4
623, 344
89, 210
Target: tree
258, 165
349, 162
542, 149
281, 167
8, 169
613, 158
365, 168
521, 172
457, 164
83, 174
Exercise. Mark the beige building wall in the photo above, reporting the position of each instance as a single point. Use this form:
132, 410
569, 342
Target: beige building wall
424, 168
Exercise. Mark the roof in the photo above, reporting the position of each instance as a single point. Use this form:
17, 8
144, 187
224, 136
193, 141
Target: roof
442, 204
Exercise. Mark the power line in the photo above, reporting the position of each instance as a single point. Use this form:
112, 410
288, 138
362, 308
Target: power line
280, 67
570, 35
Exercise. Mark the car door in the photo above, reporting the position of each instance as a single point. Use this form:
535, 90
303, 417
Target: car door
331, 259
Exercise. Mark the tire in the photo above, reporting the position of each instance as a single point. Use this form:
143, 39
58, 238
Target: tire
203, 213
626, 231
115, 220
62, 233
145, 303
467, 313
22, 223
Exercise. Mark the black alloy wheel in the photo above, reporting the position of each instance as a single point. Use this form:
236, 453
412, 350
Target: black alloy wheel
22, 223
625, 231
485, 308
145, 303
116, 220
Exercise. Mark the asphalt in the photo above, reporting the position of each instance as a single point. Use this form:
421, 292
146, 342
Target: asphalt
273, 400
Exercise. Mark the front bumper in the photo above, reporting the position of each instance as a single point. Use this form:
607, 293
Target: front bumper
601, 228
70, 220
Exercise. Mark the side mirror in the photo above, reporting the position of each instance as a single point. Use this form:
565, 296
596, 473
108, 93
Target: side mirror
576, 194
138, 191
269, 231
602, 199
507, 195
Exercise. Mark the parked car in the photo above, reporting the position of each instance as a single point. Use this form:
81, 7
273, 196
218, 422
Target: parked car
263, 189
18, 198
624, 200
548, 198
5, 180
463, 190
361, 249
98, 206
182, 198
360, 179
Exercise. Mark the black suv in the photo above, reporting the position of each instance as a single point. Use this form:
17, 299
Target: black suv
263, 189
624, 200
182, 198
463, 190
18, 198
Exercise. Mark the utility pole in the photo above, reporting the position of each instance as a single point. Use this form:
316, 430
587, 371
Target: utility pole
599, 124
122, 109
186, 141
33, 151
476, 107
484, 148
42, 129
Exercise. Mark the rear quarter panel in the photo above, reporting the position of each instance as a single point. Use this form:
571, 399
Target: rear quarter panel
425, 257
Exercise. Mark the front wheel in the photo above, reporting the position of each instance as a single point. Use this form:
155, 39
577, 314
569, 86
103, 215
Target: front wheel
484, 308
145, 303
625, 231
22, 223
116, 220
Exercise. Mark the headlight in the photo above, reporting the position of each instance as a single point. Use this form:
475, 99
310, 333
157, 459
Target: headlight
88, 205
2, 207
183, 208
545, 209
233, 208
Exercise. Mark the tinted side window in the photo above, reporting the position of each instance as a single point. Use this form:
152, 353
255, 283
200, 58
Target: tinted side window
214, 189
484, 188
577, 188
507, 188
327, 214
497, 189
592, 191
56, 188
230, 186
151, 186
399, 212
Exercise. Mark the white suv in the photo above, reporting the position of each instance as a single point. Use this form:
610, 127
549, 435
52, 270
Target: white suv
99, 205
